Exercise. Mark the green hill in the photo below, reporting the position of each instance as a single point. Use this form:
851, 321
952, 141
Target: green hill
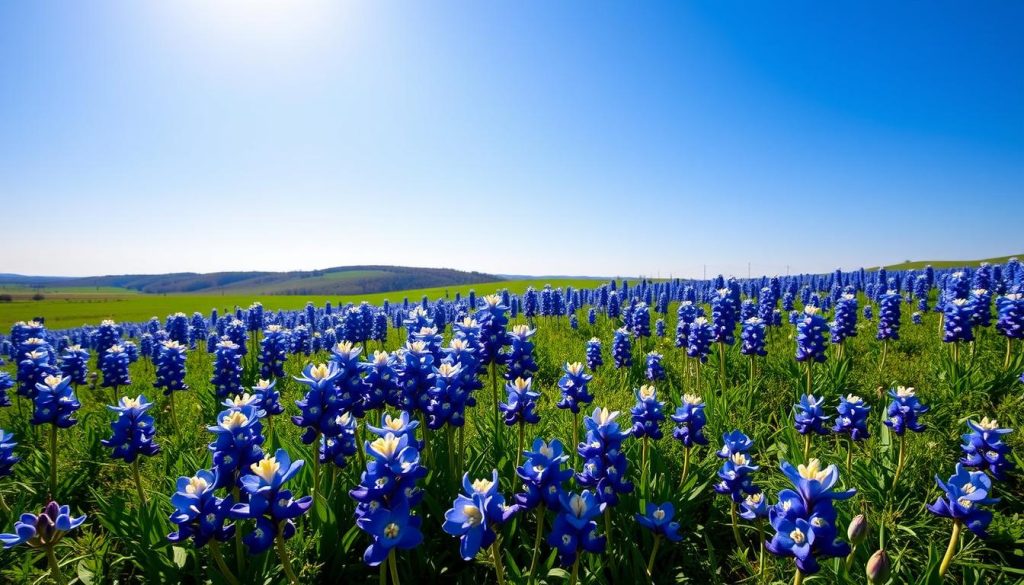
919, 264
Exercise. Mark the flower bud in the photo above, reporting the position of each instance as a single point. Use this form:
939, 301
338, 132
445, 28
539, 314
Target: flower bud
857, 530
877, 569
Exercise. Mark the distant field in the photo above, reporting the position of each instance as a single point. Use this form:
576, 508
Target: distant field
64, 308
917, 265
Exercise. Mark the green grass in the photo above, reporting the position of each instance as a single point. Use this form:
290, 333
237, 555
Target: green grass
919, 264
73, 309
125, 541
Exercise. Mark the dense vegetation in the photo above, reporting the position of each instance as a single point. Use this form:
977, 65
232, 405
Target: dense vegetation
124, 538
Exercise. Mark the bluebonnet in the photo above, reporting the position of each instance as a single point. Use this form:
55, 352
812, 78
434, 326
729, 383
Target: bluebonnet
622, 354
543, 475
804, 518
6, 383
699, 341
723, 316
690, 419
177, 328
592, 316
575, 529
752, 337
386, 493
520, 361
809, 416
198, 513
956, 325
272, 506
964, 499
658, 518
55, 403
889, 316
915, 317
810, 336
493, 321
686, 313
380, 382
337, 449
415, 375
43, 530
594, 359
659, 328
654, 370
74, 364
133, 430
734, 476
605, 465
614, 308
269, 396
240, 401
1010, 319
641, 320
852, 417
904, 410
574, 386
108, 334
236, 446
981, 307
349, 384
868, 312
170, 367
7, 457
984, 448
114, 366
273, 351
33, 368
477, 515
235, 330
319, 408
227, 368
447, 398
521, 406
647, 413
754, 507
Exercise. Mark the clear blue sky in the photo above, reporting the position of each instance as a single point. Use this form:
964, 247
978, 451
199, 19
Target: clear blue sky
533, 137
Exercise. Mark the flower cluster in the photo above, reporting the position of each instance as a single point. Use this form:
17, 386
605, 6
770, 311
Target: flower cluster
227, 367
133, 430
198, 513
698, 343
477, 515
735, 474
594, 359
55, 403
852, 417
889, 316
691, 420
239, 435
575, 529
43, 530
114, 365
752, 337
573, 385
804, 518
543, 475
647, 413
519, 361
985, 449
521, 406
966, 494
904, 410
269, 504
604, 466
170, 367
810, 335
809, 416
622, 353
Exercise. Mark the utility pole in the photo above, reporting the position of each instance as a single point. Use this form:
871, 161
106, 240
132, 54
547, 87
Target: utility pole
748, 270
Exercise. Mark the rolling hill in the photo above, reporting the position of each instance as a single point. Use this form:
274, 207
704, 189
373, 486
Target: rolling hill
341, 280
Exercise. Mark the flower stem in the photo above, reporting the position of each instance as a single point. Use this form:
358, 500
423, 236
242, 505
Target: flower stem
316, 468
3, 505
498, 569
282, 554
900, 460
138, 482
950, 550
849, 559
51, 559
53, 461
760, 553
519, 451
810, 378
643, 468
721, 361
849, 455
497, 413
221, 565
394, 567
735, 524
575, 570
798, 577
575, 436
686, 466
885, 349
807, 447
1006, 362
650, 562
536, 542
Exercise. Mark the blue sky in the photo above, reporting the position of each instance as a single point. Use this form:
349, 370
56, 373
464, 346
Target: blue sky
513, 137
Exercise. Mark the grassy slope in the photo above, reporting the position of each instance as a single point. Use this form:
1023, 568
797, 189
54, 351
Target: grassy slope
917, 265
63, 310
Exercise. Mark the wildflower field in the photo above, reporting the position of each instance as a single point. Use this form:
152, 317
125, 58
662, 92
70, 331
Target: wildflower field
853, 427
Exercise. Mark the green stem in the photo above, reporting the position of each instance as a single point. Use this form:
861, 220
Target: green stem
53, 462
221, 565
316, 468
643, 468
575, 571
174, 416
498, 568
760, 554
536, 543
519, 451
798, 578
849, 455
807, 447
849, 559
462, 450
497, 412
394, 567
810, 379
138, 482
650, 562
950, 550
885, 349
51, 559
282, 555
608, 529
575, 436
686, 466
735, 525
721, 362
900, 460
1006, 362
3, 505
